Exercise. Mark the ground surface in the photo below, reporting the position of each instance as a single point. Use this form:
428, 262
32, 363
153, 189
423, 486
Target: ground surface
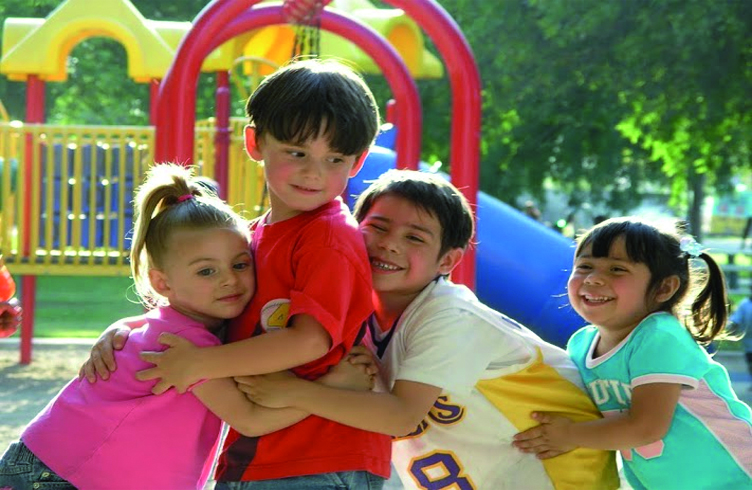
25, 390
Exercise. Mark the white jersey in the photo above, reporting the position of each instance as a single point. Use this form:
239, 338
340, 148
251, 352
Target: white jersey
493, 373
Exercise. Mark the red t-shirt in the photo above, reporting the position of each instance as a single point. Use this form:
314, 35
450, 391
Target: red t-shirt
314, 263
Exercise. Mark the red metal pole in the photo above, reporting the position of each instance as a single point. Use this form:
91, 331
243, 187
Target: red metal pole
213, 26
464, 80
153, 96
222, 134
34, 115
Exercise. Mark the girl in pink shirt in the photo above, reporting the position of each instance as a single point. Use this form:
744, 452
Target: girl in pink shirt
192, 267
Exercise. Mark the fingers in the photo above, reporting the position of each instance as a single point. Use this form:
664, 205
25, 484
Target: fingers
542, 417
170, 339
360, 350
161, 387
147, 374
150, 357
103, 361
87, 371
530, 434
551, 453
119, 337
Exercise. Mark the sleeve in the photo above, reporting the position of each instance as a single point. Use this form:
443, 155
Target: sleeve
578, 346
330, 288
451, 350
662, 351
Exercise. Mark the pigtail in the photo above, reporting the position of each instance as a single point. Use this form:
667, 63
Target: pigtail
709, 309
165, 185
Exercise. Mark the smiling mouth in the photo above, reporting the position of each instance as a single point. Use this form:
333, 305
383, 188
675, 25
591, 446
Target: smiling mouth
384, 266
596, 300
231, 298
305, 189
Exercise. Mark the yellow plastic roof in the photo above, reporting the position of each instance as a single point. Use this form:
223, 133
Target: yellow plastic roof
41, 46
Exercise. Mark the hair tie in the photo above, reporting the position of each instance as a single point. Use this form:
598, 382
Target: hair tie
690, 246
185, 197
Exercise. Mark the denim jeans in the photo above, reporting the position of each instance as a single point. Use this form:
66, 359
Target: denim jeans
21, 470
346, 480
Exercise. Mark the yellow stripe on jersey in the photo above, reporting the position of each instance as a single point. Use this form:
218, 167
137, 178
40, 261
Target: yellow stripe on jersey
540, 388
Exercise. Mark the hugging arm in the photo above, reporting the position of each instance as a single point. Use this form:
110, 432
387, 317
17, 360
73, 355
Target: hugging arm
223, 398
101, 361
184, 364
647, 421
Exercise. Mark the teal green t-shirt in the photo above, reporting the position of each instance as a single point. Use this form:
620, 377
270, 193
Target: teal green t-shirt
709, 442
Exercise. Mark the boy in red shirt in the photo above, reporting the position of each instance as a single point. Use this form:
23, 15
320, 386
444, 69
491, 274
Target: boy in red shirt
311, 123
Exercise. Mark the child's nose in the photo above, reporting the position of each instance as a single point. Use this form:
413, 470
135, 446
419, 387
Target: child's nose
594, 278
229, 279
388, 243
313, 168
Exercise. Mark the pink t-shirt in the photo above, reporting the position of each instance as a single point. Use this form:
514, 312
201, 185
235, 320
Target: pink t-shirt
115, 434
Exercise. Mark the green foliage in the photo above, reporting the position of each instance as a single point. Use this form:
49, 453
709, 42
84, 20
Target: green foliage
606, 100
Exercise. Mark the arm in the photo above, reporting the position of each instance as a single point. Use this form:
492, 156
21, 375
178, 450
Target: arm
396, 413
223, 398
648, 420
101, 359
184, 364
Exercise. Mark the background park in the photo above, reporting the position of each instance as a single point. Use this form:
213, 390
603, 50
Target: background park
589, 108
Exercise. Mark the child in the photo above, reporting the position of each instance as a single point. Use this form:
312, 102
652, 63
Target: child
669, 407
311, 123
465, 375
191, 265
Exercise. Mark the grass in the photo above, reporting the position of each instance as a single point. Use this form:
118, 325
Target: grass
81, 307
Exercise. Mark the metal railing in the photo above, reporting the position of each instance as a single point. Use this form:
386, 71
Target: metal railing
66, 192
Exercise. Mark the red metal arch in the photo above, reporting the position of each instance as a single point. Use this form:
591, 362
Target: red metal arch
176, 104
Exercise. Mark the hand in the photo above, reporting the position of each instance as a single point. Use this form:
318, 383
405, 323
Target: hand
350, 376
10, 317
273, 390
547, 440
361, 355
101, 359
173, 367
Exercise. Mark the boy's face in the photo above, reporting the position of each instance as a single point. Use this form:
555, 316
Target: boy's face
300, 177
403, 243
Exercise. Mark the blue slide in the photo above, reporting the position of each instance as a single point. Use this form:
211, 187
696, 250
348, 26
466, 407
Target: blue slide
522, 266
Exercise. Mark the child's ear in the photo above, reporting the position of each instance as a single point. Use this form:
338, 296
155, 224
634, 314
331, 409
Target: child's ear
667, 289
450, 260
358, 164
158, 280
251, 143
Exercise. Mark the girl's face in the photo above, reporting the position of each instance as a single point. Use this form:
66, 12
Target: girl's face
208, 274
609, 292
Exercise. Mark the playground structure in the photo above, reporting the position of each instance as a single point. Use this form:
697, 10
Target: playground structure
66, 191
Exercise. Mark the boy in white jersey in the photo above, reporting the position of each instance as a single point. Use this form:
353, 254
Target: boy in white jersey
465, 375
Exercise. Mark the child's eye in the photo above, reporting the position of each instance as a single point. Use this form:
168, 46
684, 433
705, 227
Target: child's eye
583, 267
296, 153
375, 227
206, 272
241, 266
415, 238
336, 160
